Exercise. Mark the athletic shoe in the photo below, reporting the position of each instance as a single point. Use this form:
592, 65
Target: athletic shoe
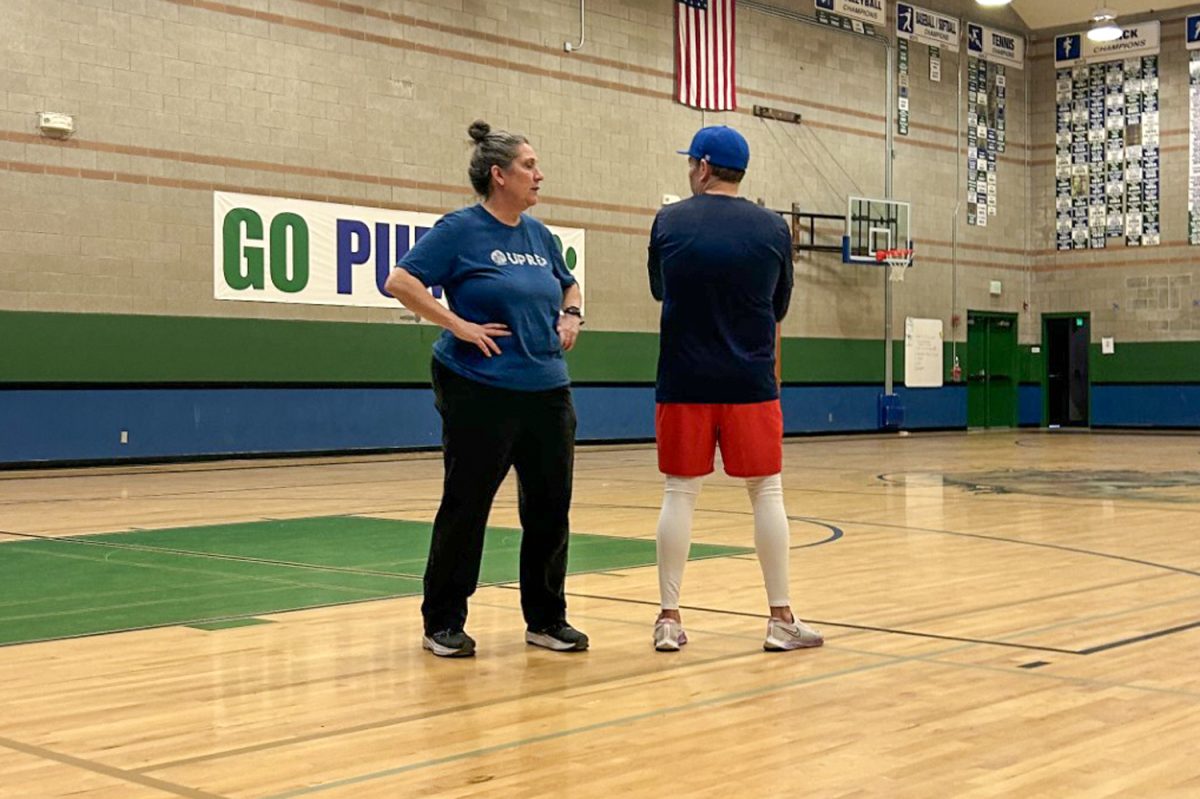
782, 636
668, 635
560, 636
449, 644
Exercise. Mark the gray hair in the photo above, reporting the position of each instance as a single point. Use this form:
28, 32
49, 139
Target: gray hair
497, 148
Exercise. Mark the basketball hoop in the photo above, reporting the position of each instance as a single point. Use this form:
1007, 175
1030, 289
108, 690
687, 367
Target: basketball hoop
898, 262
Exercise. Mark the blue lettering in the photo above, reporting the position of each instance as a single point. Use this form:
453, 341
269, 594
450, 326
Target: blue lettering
383, 246
353, 248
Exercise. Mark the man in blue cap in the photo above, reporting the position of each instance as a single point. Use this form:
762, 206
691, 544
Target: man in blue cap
722, 268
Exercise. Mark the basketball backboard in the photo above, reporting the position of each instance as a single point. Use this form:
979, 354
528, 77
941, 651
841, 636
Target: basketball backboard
874, 225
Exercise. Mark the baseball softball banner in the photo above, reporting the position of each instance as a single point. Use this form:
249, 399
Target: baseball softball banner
927, 27
272, 249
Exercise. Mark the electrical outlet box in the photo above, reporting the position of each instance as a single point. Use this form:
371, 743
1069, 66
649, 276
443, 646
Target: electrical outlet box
55, 124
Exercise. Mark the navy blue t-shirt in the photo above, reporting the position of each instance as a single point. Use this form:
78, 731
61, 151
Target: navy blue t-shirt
722, 267
493, 272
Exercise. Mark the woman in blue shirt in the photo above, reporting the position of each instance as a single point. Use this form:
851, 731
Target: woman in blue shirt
500, 384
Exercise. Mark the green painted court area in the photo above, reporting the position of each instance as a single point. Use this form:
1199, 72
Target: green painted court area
220, 576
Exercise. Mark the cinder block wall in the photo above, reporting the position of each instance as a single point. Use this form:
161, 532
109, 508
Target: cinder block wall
1134, 294
369, 103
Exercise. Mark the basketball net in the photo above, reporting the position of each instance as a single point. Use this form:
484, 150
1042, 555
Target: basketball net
898, 262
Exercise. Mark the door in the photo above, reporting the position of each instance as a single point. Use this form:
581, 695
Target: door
991, 370
1066, 339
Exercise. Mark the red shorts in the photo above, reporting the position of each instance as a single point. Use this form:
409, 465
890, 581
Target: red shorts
750, 436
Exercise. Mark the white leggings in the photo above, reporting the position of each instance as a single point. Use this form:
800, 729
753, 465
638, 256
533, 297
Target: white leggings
771, 535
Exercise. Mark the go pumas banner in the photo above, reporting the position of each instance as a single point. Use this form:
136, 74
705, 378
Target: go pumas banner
1136, 40
997, 46
272, 249
927, 27
871, 11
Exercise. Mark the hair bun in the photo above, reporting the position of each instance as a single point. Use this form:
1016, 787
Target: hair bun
479, 130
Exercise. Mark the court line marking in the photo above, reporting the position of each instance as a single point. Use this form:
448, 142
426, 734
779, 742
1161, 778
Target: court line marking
1140, 638
933, 657
1053, 501
1021, 542
280, 584
889, 660
603, 725
109, 771
830, 523
672, 667
828, 623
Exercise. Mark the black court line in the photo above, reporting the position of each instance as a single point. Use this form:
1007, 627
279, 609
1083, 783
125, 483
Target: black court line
826, 623
835, 532
1006, 540
1139, 638
914, 633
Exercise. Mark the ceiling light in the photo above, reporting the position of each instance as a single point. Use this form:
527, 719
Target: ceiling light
1104, 26
992, 3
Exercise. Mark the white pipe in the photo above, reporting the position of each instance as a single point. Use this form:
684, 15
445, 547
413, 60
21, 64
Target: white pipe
567, 46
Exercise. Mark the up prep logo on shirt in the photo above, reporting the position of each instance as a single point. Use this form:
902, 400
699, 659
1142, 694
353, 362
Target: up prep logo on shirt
500, 258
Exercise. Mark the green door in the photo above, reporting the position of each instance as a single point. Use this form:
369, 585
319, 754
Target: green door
991, 370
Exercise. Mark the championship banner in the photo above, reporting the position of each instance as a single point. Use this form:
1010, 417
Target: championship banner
870, 11
997, 46
273, 249
1194, 148
927, 27
1136, 40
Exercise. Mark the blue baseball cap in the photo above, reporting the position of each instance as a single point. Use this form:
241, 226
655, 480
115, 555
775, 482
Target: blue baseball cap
720, 146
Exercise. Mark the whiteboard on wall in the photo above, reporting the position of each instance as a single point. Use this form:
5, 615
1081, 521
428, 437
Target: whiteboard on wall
922, 353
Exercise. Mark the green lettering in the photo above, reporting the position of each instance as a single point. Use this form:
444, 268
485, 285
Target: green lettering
299, 253
231, 236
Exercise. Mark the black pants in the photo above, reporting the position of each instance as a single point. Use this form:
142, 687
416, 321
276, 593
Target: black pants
486, 430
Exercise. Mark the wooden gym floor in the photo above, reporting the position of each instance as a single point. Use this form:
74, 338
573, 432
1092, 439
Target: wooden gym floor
1006, 614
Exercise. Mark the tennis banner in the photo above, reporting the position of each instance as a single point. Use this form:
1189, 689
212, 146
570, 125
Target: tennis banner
273, 249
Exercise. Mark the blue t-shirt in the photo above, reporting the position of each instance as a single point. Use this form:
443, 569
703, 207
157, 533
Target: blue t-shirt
722, 267
493, 272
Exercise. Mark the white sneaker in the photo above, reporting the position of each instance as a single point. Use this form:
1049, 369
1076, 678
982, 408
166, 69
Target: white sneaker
668, 635
782, 636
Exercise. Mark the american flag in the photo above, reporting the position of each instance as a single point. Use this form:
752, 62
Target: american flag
704, 54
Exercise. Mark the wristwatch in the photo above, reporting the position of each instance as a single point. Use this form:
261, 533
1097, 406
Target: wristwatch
573, 310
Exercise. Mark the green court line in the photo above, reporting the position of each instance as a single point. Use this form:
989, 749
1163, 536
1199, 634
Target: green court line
93, 584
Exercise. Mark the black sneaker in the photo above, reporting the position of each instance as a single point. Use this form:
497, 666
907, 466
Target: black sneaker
449, 644
560, 636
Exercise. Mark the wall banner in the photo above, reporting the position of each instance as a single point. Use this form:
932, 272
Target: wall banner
273, 249
998, 46
1136, 41
871, 11
1194, 150
927, 27
1192, 32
